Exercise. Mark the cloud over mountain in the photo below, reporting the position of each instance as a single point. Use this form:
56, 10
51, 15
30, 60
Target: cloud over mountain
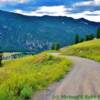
89, 9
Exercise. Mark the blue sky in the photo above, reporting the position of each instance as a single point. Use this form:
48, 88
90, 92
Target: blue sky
88, 9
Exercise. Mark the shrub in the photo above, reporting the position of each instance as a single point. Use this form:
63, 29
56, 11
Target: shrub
26, 92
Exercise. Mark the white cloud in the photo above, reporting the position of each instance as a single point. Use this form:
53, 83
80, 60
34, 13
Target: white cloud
62, 11
87, 15
87, 3
13, 1
53, 9
46, 10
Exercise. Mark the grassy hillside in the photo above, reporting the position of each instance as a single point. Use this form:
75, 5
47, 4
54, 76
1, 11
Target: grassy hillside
90, 49
21, 77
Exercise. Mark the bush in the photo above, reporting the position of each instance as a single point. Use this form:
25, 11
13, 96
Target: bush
26, 92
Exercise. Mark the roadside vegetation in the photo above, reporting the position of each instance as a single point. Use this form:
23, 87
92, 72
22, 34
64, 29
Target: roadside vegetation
21, 77
88, 49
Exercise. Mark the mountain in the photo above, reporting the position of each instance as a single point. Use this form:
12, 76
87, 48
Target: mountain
24, 33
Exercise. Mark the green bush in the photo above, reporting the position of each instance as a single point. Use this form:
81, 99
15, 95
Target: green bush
26, 92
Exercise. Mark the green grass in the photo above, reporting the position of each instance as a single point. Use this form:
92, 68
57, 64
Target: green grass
88, 49
22, 77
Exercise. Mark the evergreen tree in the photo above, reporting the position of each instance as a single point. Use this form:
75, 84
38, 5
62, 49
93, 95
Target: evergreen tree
89, 37
92, 37
82, 39
98, 33
55, 46
52, 47
1, 54
77, 39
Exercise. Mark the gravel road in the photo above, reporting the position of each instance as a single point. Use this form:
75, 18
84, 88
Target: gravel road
83, 79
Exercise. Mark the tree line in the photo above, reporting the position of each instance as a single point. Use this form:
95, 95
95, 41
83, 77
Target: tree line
88, 36
78, 39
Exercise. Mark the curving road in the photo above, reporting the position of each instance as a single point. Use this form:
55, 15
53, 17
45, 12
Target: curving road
83, 79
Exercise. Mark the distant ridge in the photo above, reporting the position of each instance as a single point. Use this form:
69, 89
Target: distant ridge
49, 16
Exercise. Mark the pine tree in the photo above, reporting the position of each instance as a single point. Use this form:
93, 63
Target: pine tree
77, 39
82, 39
98, 33
89, 37
1, 54
55, 46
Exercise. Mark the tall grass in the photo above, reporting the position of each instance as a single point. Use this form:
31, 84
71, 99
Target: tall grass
20, 78
90, 49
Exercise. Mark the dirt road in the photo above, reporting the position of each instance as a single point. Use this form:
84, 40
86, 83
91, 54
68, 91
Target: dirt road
83, 79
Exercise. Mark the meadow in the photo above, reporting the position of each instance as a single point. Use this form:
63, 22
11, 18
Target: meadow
87, 49
20, 78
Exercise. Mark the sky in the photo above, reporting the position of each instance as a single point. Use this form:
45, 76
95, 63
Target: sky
88, 9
